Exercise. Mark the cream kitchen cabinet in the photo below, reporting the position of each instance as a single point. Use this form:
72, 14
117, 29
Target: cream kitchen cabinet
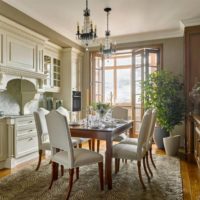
25, 136
3, 140
52, 68
21, 53
2, 47
22, 142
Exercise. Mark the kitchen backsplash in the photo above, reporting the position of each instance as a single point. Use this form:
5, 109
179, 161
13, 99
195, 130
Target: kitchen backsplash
8, 104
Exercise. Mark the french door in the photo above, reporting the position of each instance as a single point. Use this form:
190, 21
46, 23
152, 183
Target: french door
145, 61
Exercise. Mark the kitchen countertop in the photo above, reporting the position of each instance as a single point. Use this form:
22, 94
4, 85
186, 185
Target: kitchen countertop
15, 116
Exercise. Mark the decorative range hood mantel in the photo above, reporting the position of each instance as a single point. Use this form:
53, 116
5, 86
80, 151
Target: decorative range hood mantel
8, 73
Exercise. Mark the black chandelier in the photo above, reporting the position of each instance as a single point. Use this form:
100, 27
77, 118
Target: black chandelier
108, 48
88, 32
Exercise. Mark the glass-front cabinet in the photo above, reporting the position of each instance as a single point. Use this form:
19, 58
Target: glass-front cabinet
52, 68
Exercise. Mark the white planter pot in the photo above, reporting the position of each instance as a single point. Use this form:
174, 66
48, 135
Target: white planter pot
172, 144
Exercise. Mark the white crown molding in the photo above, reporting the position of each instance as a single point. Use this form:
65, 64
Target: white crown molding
189, 22
146, 36
21, 28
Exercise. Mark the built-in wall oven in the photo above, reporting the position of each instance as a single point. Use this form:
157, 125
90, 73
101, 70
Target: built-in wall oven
76, 101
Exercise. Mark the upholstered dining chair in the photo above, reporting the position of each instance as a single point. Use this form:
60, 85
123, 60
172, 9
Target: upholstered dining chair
67, 156
65, 112
134, 141
42, 133
135, 152
119, 113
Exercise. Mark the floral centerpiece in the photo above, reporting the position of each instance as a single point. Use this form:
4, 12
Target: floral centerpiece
195, 97
101, 108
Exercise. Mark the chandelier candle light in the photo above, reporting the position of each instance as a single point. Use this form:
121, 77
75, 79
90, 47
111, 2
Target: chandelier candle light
108, 48
88, 32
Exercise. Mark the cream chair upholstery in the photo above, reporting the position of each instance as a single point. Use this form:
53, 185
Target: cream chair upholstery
119, 113
42, 132
135, 152
134, 141
80, 141
66, 155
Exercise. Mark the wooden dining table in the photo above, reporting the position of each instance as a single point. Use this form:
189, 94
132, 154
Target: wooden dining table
107, 134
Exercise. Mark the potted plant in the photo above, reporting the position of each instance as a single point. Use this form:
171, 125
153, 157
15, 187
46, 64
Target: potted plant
101, 108
164, 91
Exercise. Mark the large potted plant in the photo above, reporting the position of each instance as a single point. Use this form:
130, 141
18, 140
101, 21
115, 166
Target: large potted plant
164, 91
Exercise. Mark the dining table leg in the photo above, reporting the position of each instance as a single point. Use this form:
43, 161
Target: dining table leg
108, 162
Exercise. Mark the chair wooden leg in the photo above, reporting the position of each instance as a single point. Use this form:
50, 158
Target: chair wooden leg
151, 157
140, 174
101, 179
71, 175
98, 145
80, 145
62, 170
39, 161
116, 165
147, 160
54, 173
145, 169
77, 173
90, 144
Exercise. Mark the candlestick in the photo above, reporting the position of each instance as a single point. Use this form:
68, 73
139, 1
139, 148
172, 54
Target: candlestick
111, 97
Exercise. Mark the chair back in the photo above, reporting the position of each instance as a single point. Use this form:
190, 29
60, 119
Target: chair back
119, 113
152, 126
59, 134
41, 124
144, 132
64, 112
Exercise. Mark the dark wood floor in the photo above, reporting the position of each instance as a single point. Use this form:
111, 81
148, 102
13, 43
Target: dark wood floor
189, 171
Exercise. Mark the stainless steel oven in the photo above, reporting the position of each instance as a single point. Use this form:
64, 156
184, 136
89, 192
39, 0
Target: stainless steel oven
76, 101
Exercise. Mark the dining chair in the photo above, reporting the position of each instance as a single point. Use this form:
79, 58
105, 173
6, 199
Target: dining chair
42, 133
135, 152
67, 156
134, 141
118, 113
65, 112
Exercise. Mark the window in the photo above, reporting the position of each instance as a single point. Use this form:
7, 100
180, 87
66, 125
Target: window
118, 79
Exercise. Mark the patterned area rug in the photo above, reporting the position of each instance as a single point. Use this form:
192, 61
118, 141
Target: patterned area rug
28, 184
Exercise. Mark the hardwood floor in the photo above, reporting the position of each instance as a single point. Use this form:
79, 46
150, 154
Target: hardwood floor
189, 171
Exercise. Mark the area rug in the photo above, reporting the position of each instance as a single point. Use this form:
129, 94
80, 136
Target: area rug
28, 184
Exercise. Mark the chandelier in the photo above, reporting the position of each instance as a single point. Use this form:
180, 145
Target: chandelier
88, 32
108, 48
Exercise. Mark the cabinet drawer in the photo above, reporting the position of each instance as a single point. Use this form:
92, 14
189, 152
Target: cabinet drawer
24, 132
25, 123
26, 146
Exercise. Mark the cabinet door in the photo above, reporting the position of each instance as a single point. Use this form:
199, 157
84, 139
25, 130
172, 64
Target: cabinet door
40, 60
21, 53
2, 48
3, 140
48, 71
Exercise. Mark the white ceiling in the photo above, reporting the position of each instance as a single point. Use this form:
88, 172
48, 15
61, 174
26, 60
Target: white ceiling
127, 16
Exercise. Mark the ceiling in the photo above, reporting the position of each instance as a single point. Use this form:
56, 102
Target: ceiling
127, 16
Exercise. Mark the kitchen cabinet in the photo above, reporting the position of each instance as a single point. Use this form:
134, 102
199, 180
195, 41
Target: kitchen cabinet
2, 47
3, 140
25, 136
192, 76
52, 69
21, 53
